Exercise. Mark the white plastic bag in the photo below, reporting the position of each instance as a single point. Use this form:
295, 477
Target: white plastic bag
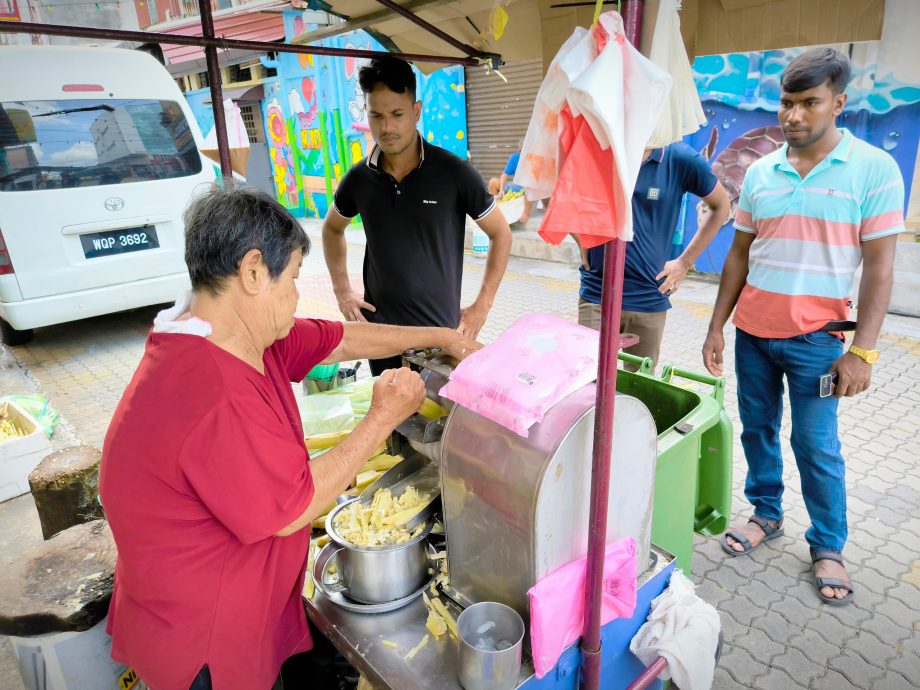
684, 114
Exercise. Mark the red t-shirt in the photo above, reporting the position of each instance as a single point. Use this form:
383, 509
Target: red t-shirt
203, 463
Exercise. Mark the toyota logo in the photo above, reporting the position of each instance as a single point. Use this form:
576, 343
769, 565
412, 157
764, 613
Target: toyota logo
114, 204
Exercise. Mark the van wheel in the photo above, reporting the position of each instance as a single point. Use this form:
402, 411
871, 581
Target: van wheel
10, 336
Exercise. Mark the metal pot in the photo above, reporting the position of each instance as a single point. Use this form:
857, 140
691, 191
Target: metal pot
378, 574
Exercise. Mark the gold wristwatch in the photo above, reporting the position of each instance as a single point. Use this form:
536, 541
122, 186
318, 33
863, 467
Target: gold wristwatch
868, 356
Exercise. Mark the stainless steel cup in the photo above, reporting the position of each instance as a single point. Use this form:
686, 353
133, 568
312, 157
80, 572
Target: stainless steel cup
491, 638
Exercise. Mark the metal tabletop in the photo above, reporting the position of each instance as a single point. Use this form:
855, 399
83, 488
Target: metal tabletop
360, 636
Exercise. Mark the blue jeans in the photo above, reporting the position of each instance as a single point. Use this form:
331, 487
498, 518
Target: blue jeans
760, 365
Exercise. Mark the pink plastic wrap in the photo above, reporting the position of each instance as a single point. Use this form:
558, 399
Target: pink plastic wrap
557, 602
533, 365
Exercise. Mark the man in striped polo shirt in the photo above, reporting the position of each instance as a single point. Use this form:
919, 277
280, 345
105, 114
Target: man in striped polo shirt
809, 213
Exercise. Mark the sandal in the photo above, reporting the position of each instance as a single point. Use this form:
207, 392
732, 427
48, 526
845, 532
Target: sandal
821, 582
770, 532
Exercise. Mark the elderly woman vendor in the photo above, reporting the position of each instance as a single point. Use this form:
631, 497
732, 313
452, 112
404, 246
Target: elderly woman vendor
206, 480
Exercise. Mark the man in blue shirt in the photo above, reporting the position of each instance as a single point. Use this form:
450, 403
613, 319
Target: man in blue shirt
501, 186
650, 279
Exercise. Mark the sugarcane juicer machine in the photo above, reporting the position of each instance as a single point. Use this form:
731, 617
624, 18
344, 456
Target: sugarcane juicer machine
515, 509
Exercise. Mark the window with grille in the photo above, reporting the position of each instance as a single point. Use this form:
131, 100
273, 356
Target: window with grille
238, 73
252, 121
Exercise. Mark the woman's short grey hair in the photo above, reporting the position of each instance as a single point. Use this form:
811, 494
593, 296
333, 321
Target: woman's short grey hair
222, 225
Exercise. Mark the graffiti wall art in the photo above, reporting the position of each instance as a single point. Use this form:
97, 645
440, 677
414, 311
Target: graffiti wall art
317, 127
740, 94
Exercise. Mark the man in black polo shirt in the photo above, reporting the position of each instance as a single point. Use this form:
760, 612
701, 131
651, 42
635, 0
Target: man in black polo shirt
413, 198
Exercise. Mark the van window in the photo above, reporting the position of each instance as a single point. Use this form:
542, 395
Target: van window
86, 143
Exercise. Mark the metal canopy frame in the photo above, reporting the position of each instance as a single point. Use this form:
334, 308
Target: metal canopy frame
212, 43
614, 254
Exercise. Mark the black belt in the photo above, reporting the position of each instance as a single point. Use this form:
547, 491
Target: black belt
834, 326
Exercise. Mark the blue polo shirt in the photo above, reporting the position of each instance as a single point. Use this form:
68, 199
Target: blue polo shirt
664, 177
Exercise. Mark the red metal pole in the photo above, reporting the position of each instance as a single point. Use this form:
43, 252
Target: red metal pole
649, 675
222, 43
217, 92
632, 20
611, 308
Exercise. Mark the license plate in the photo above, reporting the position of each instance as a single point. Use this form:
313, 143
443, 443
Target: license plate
119, 241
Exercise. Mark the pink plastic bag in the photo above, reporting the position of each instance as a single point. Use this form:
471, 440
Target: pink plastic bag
557, 602
533, 365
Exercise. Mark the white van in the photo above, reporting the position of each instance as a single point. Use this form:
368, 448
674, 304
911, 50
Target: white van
99, 155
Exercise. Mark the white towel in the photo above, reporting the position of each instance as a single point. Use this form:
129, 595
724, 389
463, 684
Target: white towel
176, 319
684, 630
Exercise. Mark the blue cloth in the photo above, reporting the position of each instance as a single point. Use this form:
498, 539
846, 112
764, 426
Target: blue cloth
664, 178
760, 364
512, 164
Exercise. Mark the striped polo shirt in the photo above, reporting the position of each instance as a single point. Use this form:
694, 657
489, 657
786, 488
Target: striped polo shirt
809, 234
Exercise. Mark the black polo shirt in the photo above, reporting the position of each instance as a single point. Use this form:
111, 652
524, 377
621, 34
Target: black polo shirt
413, 263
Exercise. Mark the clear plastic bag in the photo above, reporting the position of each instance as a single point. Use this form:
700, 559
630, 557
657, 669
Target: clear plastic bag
324, 414
40, 409
339, 409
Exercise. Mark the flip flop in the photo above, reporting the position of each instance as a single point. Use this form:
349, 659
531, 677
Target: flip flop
770, 532
821, 582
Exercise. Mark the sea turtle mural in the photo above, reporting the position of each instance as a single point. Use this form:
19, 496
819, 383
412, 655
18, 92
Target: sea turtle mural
731, 164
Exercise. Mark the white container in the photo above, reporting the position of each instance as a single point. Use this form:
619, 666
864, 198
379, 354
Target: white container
72, 661
19, 456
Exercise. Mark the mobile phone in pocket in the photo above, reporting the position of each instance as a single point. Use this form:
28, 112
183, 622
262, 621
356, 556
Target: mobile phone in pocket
826, 384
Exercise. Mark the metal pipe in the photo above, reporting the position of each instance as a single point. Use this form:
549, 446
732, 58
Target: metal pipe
611, 310
649, 675
222, 43
217, 92
430, 28
632, 20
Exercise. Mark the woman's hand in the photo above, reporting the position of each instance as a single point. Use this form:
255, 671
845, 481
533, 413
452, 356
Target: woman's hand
397, 394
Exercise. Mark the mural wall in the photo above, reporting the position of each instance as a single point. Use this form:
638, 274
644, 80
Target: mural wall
204, 114
316, 126
740, 94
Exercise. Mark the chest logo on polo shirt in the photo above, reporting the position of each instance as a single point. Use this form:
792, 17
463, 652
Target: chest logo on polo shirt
654, 193
429, 201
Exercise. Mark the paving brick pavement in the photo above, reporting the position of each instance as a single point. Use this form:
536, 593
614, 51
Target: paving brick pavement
777, 633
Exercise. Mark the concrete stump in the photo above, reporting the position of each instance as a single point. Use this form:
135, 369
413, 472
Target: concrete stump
65, 487
62, 585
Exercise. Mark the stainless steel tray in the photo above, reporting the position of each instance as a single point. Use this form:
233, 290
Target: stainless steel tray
333, 589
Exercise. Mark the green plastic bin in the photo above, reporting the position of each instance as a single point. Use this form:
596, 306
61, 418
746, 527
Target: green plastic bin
693, 476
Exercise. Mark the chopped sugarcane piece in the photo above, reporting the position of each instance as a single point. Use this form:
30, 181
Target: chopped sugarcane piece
417, 648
